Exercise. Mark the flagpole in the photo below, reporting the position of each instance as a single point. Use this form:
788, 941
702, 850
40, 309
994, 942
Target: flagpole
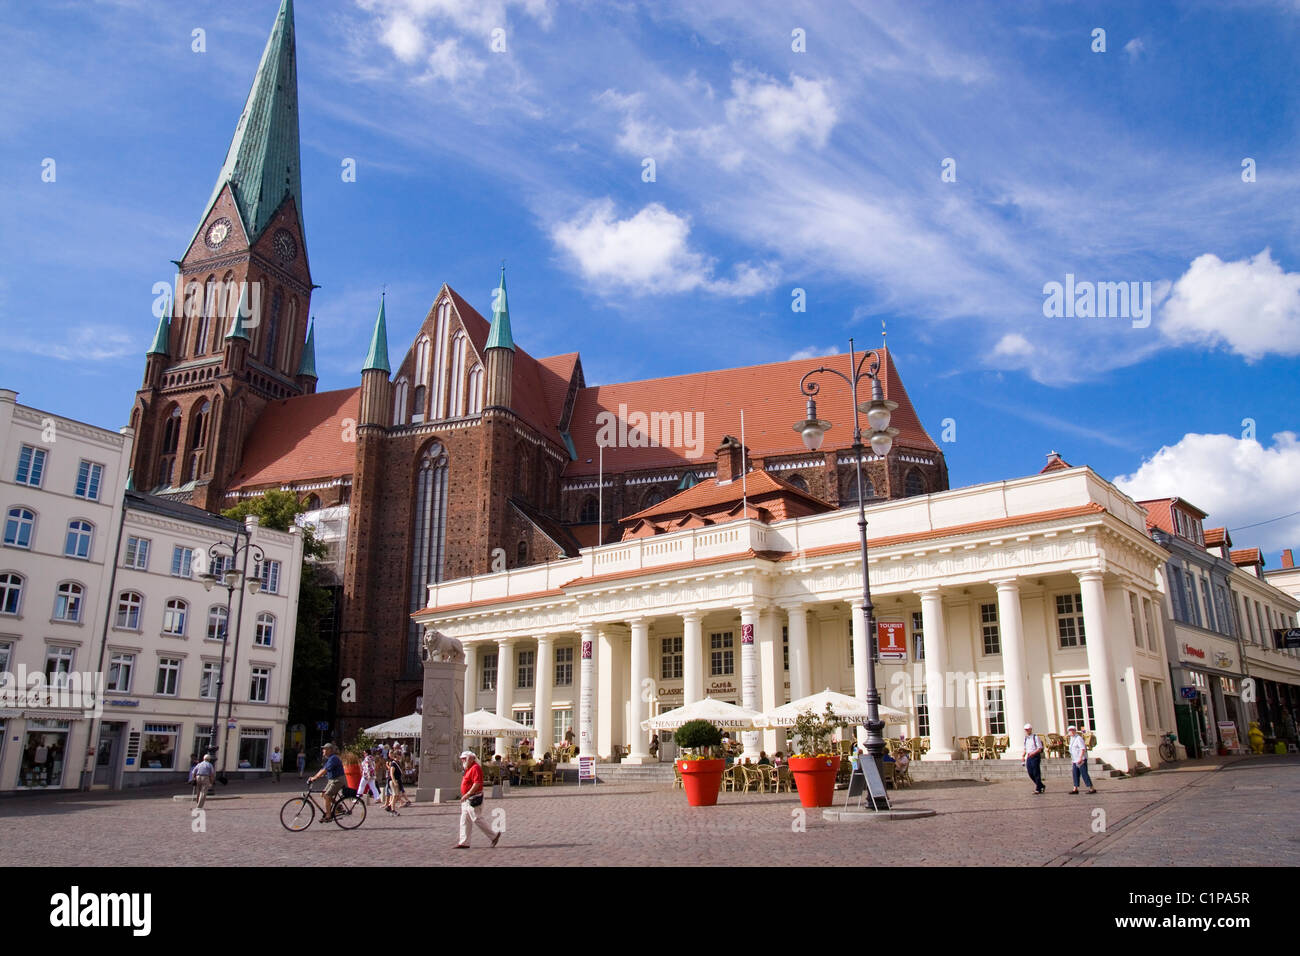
744, 468
600, 497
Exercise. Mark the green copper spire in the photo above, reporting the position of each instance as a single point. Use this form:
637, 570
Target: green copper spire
262, 165
308, 364
499, 337
130, 480
377, 360
159, 346
237, 327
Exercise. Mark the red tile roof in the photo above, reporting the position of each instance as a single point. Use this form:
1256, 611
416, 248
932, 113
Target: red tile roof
1160, 514
769, 394
1246, 557
1214, 537
1054, 463
708, 498
299, 439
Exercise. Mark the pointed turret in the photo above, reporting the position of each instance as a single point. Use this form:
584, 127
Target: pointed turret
156, 359
500, 351
262, 165
307, 367
376, 398
160, 337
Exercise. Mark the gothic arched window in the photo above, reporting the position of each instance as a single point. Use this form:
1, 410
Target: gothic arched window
399, 401
429, 538
170, 441
521, 554
798, 481
590, 510
914, 483
849, 488
199, 440
439, 385
273, 325
652, 498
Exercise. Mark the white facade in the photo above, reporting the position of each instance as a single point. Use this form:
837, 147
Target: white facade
145, 635
1021, 595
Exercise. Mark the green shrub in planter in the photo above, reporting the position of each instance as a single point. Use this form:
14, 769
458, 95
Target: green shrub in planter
697, 738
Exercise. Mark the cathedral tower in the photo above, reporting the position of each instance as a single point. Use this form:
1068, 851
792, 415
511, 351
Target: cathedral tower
234, 339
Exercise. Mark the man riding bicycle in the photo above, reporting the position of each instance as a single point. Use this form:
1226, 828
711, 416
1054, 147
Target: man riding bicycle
333, 771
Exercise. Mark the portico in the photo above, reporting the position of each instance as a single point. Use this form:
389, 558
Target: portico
1013, 597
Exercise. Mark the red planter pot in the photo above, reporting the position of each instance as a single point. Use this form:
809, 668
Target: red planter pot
815, 779
701, 779
352, 773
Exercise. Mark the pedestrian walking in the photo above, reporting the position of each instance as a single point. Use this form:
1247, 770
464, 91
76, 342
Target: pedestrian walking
471, 798
368, 776
277, 763
1034, 758
395, 791
1079, 760
302, 761
201, 776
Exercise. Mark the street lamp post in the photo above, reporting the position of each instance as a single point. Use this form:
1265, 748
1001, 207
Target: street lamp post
230, 579
881, 439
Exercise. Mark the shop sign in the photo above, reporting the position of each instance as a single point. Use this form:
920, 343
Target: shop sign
124, 703
1187, 693
1287, 637
669, 691
891, 640
1228, 735
1210, 655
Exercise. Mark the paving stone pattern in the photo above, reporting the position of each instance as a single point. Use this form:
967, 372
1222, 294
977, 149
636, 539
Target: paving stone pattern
1234, 811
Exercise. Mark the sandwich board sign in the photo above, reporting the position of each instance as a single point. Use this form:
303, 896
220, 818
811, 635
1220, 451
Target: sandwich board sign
864, 782
586, 769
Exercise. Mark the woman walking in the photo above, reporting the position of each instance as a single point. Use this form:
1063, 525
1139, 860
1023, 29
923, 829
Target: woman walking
395, 791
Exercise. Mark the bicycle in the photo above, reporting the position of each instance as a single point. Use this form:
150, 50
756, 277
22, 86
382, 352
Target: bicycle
1168, 752
299, 812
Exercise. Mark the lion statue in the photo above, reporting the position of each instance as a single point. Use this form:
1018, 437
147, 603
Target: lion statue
439, 647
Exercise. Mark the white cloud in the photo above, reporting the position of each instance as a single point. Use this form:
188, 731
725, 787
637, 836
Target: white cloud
649, 252
780, 114
403, 21
1237, 481
85, 343
449, 62
1134, 48
813, 352
404, 37
1251, 306
1013, 345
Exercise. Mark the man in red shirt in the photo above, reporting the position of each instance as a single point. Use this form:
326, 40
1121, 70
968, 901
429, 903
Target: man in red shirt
471, 798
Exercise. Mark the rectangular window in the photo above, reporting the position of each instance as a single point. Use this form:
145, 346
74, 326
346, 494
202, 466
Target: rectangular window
6, 651
1148, 706
1211, 621
1264, 637
785, 647
89, 476
253, 748
1221, 603
259, 685
1148, 613
1176, 594
1250, 621
270, 575
120, 667
851, 654
670, 658
31, 466
561, 724
169, 676
722, 656
525, 670
208, 679
489, 681
989, 628
1069, 620
1078, 705
922, 716
918, 638
137, 553
202, 739
1133, 614
182, 561
564, 667
1190, 604
524, 716
158, 746
58, 665
995, 717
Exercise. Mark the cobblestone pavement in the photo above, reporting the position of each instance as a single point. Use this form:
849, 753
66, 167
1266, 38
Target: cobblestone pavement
1239, 811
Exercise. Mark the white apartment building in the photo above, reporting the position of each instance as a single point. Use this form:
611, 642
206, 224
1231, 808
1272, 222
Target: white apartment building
101, 593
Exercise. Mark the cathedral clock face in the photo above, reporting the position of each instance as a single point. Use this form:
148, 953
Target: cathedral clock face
286, 250
218, 233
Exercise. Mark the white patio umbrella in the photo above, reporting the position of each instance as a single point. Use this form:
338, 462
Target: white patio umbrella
842, 705
484, 723
408, 726
717, 712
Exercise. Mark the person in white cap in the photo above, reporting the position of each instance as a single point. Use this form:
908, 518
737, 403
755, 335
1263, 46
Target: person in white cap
1034, 758
471, 798
1079, 760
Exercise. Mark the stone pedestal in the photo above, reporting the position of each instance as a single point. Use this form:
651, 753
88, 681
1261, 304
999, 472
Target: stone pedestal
442, 731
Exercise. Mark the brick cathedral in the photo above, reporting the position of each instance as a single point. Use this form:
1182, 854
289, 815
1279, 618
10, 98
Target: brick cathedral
467, 456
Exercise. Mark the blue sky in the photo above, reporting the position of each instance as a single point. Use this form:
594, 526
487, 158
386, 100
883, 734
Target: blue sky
774, 170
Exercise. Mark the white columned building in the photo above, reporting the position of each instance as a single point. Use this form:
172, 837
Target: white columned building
1013, 597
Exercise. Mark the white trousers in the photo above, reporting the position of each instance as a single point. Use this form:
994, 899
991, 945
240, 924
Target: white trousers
470, 815
368, 783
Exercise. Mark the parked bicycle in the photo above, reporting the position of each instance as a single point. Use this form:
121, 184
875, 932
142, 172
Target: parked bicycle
299, 812
1168, 752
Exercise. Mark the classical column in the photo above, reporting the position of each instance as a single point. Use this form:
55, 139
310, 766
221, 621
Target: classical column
800, 665
1011, 629
609, 688
471, 678
749, 677
543, 681
861, 659
771, 681
936, 675
642, 687
587, 693
505, 674
1101, 663
692, 657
